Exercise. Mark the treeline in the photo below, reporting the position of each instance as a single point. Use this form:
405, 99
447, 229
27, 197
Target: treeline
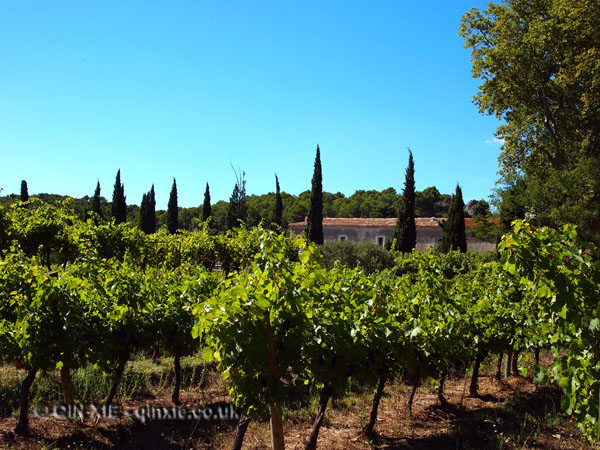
363, 203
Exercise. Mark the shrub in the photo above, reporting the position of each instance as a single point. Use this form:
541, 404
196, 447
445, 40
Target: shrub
370, 257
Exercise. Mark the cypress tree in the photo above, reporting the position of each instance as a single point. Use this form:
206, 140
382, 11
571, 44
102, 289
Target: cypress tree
119, 207
453, 233
172, 211
314, 223
148, 212
277, 217
151, 211
96, 200
206, 208
24, 192
143, 223
405, 232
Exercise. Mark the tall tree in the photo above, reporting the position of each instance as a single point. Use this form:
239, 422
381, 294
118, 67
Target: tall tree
206, 208
151, 211
453, 233
24, 192
237, 210
314, 224
118, 206
148, 212
278, 213
144, 214
172, 210
539, 62
512, 205
96, 200
426, 201
405, 232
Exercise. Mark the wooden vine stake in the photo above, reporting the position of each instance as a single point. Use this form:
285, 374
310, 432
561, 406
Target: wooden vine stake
277, 441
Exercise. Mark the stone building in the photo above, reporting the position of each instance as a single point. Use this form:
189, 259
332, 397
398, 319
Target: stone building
380, 230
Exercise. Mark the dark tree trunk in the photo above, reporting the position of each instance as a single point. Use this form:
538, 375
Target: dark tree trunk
509, 355
22, 427
441, 397
368, 428
156, 355
117, 379
67, 384
499, 366
177, 365
475, 376
240, 432
416, 381
515, 363
537, 356
326, 394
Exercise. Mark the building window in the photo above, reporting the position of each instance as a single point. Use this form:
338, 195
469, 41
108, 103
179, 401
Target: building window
342, 237
380, 240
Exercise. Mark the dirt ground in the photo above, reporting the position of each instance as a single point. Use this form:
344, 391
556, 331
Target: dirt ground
511, 413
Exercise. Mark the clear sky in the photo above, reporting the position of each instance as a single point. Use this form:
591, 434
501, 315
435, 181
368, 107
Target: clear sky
186, 89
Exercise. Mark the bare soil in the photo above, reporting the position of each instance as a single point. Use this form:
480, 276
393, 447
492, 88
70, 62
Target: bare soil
511, 414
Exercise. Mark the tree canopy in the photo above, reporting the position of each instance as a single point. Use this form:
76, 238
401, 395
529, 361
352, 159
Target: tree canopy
539, 63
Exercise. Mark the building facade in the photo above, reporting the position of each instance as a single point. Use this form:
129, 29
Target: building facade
380, 230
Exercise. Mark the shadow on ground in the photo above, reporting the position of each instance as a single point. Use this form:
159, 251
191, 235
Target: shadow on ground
512, 423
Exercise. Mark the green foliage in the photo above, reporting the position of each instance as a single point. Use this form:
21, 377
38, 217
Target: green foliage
107, 291
4, 230
366, 255
539, 65
453, 234
562, 273
256, 307
512, 206
314, 224
42, 230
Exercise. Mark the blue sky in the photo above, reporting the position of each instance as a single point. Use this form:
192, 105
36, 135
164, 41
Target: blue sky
186, 89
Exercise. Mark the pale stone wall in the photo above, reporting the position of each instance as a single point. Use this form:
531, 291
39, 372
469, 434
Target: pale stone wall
427, 237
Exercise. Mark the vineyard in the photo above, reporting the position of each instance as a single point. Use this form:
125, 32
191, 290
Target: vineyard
278, 325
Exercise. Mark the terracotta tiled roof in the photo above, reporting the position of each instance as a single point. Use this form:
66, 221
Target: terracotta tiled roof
420, 222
